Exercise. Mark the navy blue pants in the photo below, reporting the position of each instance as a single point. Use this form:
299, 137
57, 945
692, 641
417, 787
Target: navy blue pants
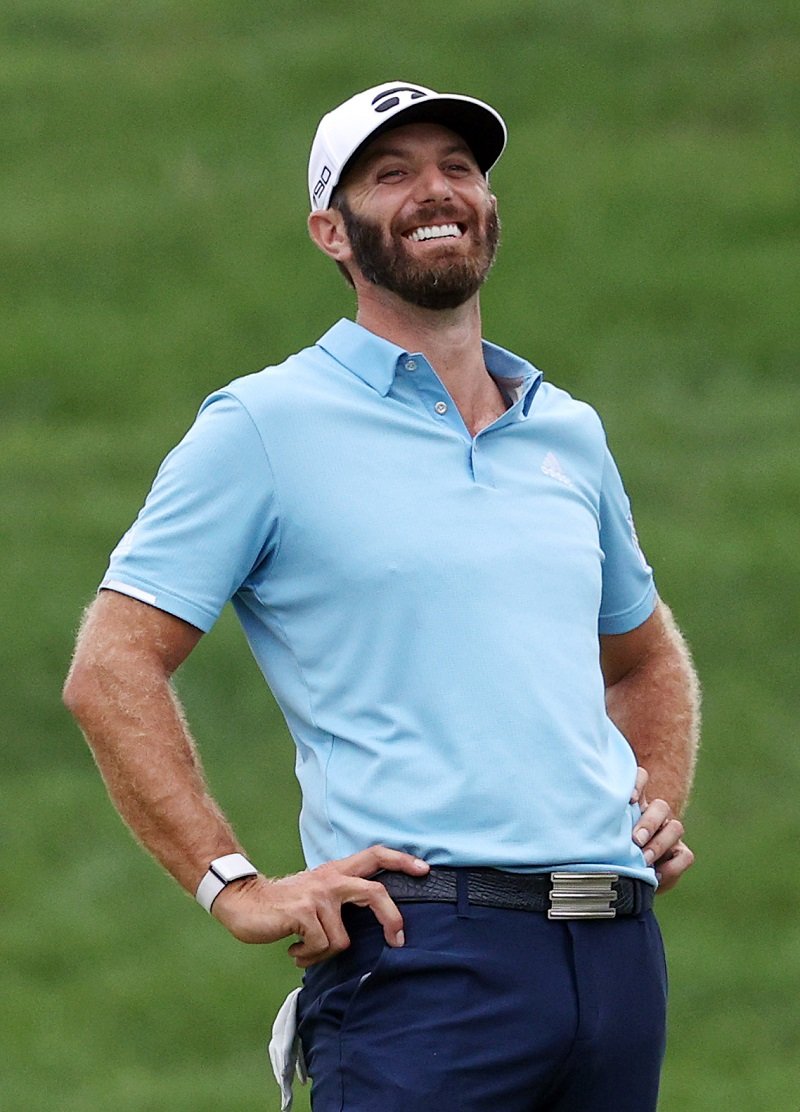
487, 1010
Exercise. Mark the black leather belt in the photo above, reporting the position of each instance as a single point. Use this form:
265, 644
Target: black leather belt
563, 895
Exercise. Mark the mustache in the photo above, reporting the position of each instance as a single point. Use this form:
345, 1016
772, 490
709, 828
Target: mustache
445, 213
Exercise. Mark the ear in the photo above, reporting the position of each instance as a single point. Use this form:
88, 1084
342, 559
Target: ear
327, 230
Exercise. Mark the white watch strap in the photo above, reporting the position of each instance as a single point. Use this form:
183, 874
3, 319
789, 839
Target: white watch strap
221, 871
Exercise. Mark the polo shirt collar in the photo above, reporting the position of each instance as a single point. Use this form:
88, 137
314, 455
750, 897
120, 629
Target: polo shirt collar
519, 378
370, 357
375, 361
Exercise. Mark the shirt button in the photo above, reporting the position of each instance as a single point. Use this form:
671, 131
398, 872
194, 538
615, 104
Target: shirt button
411, 364
441, 407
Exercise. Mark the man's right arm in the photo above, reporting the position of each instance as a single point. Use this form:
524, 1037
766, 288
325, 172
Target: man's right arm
119, 690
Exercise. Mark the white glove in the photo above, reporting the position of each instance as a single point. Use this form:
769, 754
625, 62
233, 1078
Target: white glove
285, 1050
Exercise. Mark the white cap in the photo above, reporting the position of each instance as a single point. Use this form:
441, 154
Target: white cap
344, 131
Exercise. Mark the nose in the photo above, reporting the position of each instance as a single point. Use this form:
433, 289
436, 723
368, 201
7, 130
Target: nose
432, 185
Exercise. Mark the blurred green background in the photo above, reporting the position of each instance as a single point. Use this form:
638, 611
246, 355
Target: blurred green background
153, 247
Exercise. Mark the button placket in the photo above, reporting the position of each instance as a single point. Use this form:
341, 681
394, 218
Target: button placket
431, 392
480, 461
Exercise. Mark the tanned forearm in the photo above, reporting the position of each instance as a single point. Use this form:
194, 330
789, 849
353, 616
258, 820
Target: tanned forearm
120, 692
656, 705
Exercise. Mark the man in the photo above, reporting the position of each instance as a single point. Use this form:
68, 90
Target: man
432, 556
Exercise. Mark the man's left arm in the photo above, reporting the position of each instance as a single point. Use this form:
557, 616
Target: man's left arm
652, 695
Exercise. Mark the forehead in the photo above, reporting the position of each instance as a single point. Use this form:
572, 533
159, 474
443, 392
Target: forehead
409, 141
412, 136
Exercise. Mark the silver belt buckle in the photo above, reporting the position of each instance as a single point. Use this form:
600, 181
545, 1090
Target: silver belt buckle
582, 896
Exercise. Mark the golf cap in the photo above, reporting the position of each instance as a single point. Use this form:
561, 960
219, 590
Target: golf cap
344, 131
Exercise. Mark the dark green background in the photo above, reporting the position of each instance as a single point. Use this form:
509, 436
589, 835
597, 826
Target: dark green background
153, 246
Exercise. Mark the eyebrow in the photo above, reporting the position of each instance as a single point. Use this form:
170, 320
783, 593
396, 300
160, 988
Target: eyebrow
405, 152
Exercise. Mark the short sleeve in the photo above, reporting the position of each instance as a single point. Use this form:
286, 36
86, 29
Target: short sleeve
209, 520
629, 594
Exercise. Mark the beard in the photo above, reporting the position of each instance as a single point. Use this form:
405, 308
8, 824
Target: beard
443, 283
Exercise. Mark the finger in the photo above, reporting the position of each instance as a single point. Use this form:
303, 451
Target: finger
658, 812
670, 869
374, 896
313, 944
307, 952
304, 959
330, 916
642, 776
334, 936
664, 842
369, 861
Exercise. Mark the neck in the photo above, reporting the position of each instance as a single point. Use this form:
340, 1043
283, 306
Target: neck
450, 339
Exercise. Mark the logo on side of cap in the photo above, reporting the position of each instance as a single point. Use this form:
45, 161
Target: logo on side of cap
380, 103
322, 181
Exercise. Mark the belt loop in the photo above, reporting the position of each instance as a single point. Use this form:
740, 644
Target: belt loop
462, 893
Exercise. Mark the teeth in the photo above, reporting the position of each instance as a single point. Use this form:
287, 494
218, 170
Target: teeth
436, 231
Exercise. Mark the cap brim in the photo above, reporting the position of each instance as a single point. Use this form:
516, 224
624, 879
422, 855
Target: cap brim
477, 124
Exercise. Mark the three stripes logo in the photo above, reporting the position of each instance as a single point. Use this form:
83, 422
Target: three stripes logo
551, 466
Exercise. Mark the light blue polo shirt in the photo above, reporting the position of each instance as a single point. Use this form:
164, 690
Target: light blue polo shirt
425, 605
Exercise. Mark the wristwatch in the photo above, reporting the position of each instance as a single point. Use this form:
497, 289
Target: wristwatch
221, 871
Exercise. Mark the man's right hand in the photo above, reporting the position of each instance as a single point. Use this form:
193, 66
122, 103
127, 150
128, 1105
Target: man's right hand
309, 904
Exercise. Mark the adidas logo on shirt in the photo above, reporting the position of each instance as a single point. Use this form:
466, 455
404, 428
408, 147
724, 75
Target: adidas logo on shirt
551, 466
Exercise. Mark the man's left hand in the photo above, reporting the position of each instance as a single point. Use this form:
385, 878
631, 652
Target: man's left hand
659, 834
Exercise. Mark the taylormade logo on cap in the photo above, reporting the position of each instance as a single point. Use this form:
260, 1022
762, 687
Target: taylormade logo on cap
344, 131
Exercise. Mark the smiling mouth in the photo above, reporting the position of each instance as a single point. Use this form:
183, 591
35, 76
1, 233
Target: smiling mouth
435, 231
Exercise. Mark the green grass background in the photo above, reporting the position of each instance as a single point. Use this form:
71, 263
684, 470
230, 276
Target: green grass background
153, 246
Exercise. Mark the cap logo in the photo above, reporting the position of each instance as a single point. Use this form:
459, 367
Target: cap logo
323, 180
380, 103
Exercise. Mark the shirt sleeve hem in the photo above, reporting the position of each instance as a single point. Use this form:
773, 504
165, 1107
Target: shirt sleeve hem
631, 618
161, 600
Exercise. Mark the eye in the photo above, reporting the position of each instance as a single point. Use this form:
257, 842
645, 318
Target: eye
458, 168
394, 173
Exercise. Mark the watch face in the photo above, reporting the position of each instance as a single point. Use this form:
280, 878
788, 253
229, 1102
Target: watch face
231, 867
